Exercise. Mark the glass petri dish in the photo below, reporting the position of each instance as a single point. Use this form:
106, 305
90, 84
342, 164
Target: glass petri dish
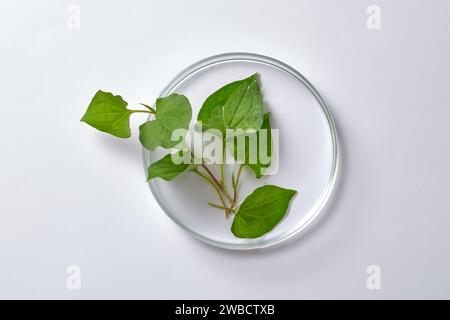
308, 152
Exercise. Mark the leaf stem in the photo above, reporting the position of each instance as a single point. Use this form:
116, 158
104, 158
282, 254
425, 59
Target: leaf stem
148, 107
220, 207
222, 168
235, 186
222, 175
143, 111
219, 194
219, 185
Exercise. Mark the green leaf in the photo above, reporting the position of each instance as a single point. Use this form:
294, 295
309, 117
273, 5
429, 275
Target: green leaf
213, 111
259, 165
166, 169
261, 211
243, 108
108, 113
172, 112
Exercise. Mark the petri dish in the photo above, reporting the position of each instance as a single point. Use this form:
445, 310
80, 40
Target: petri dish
308, 150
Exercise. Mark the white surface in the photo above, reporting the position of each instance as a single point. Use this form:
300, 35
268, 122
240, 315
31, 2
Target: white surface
72, 196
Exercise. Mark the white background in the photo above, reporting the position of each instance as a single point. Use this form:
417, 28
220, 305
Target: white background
72, 196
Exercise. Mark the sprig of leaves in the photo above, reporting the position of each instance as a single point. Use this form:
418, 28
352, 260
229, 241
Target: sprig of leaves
237, 105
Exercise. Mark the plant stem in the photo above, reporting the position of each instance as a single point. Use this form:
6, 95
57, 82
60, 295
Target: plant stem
222, 175
149, 108
219, 194
143, 111
236, 185
220, 207
208, 180
222, 167
219, 185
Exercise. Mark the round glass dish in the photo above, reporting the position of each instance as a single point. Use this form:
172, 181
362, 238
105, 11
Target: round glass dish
308, 155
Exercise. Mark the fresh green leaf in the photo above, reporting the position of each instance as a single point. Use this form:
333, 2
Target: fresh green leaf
108, 113
213, 111
243, 108
166, 169
172, 112
261, 211
257, 166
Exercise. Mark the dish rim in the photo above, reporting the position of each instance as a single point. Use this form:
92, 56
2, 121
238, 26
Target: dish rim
326, 192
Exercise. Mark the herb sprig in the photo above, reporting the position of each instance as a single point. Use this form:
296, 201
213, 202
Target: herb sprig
236, 106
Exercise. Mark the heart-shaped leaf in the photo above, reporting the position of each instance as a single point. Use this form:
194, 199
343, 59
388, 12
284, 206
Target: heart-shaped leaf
172, 112
108, 113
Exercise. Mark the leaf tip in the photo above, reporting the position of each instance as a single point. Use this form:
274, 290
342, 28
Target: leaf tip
292, 192
254, 76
